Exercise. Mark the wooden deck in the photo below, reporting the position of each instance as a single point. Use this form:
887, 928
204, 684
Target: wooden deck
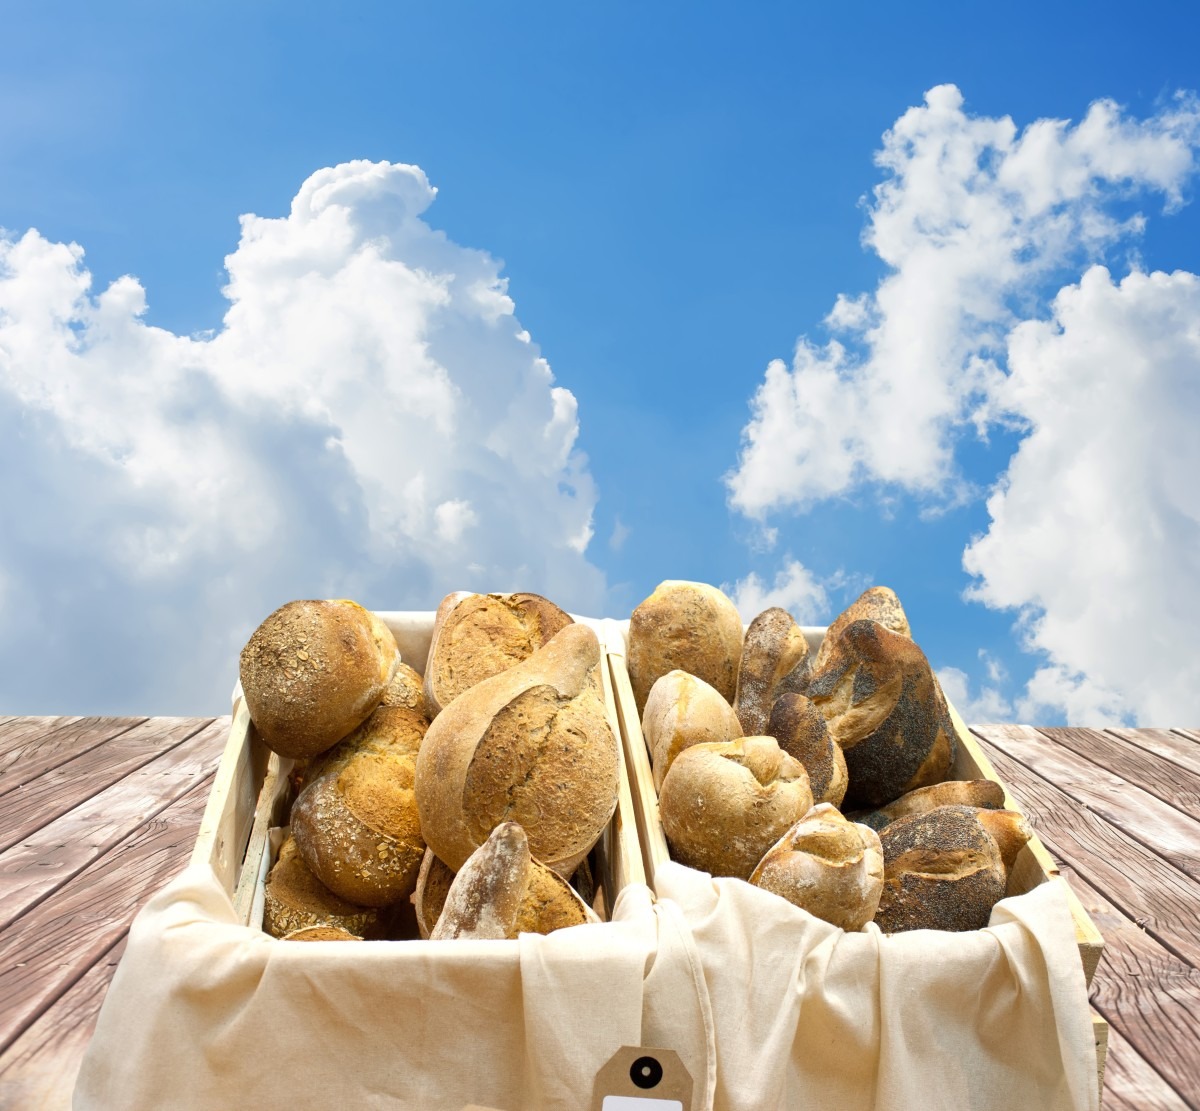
97, 813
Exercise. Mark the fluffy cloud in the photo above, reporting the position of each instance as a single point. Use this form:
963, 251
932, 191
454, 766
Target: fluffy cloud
370, 421
989, 705
1095, 527
794, 589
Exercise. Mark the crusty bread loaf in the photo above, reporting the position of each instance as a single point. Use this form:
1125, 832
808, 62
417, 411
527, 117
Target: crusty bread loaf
723, 805
476, 636
295, 898
321, 933
876, 603
886, 711
532, 745
313, 671
485, 897
685, 625
356, 822
801, 730
774, 662
943, 870
982, 793
681, 711
829, 866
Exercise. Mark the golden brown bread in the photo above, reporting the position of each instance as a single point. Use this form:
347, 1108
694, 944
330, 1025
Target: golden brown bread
321, 933
532, 745
723, 805
876, 603
802, 733
886, 711
485, 896
685, 625
476, 636
681, 711
313, 671
985, 794
830, 867
774, 662
295, 898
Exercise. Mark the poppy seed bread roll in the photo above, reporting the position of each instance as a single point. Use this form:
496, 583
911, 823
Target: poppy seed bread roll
802, 733
682, 711
984, 794
876, 603
313, 671
774, 662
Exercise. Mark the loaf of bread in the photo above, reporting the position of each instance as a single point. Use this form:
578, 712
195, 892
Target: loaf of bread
801, 730
886, 711
877, 603
356, 821
723, 805
296, 899
689, 626
682, 711
485, 896
313, 671
829, 866
984, 794
321, 933
774, 662
476, 636
532, 745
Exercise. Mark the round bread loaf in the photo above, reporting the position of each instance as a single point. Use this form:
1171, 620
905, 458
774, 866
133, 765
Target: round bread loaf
685, 625
476, 636
313, 671
774, 662
985, 794
723, 805
531, 745
802, 733
295, 899
356, 822
828, 866
876, 603
682, 711
485, 897
886, 711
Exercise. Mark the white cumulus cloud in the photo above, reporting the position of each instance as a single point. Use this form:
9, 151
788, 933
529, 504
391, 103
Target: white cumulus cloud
370, 421
795, 589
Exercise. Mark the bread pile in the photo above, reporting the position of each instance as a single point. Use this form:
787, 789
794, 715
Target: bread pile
457, 801
822, 779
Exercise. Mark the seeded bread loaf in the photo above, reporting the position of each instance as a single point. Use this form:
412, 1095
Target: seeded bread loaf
295, 899
682, 711
983, 794
774, 662
876, 603
802, 733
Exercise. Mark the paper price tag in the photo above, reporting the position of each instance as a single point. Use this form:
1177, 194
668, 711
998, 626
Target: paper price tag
641, 1078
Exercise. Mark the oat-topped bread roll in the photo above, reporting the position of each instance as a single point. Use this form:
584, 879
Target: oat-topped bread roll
723, 805
313, 671
886, 711
802, 732
321, 933
876, 603
682, 711
774, 662
295, 898
685, 625
476, 636
828, 866
485, 897
944, 869
985, 794
532, 745
356, 822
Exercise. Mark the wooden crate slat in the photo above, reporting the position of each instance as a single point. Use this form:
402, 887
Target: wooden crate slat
30, 870
1156, 824
45, 950
39, 744
1169, 744
1131, 1083
75, 781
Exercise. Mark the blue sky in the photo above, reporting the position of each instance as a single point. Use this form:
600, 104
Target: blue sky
674, 194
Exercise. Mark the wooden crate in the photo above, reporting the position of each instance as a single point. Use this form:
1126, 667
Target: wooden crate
251, 796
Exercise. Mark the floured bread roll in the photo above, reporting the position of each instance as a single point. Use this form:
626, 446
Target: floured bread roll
356, 822
886, 711
876, 603
685, 625
774, 662
484, 899
986, 794
724, 805
295, 899
681, 711
802, 733
828, 866
531, 745
945, 870
476, 636
313, 671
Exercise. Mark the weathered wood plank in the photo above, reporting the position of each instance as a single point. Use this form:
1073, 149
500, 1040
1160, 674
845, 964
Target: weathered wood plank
1130, 1082
39, 1068
1154, 893
74, 782
1164, 780
45, 950
41, 750
16, 730
1169, 744
29, 871
1156, 824
1146, 993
